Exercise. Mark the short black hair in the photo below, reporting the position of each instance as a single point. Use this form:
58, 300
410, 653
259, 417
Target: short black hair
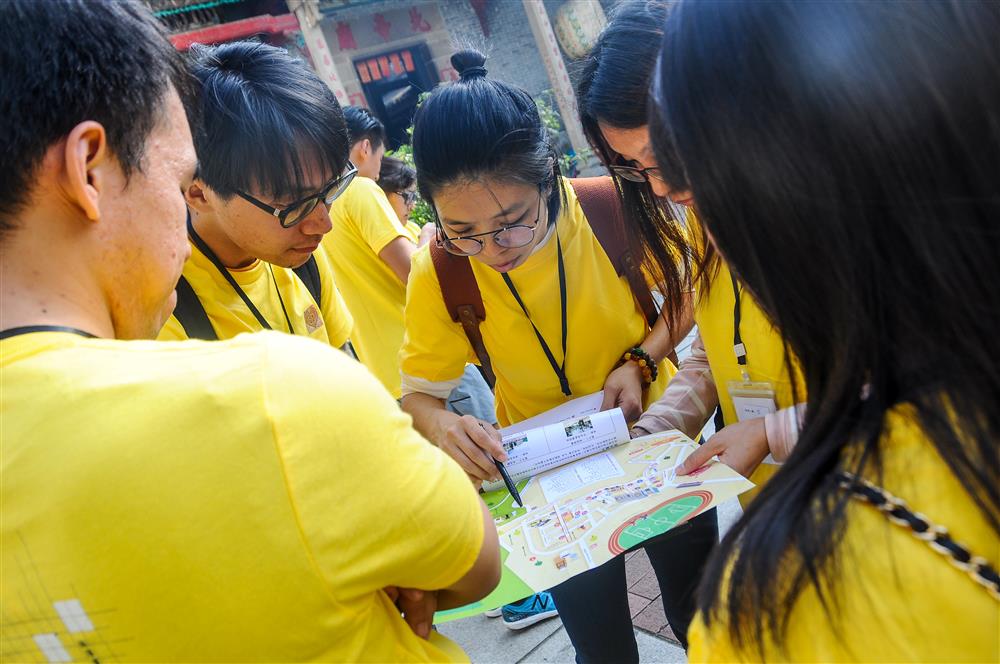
361, 124
481, 127
264, 115
72, 61
395, 176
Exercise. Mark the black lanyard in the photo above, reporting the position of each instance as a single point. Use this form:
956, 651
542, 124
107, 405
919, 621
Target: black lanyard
210, 255
559, 369
28, 329
738, 346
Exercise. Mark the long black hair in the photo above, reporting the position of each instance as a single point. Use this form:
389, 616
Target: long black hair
612, 87
853, 186
480, 127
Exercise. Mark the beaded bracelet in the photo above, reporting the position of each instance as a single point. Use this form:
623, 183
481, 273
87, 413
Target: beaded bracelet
645, 362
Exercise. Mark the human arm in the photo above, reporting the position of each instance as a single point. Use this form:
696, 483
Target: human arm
688, 401
471, 442
623, 387
380, 228
397, 255
432, 361
744, 445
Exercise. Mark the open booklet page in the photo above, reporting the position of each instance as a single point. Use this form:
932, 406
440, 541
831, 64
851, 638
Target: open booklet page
537, 450
581, 515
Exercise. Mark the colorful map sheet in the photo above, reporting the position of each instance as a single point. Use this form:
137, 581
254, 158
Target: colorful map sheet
581, 515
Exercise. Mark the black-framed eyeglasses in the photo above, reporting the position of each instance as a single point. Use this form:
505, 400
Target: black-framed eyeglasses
508, 237
295, 212
409, 197
635, 174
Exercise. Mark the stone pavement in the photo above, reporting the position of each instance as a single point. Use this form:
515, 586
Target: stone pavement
487, 641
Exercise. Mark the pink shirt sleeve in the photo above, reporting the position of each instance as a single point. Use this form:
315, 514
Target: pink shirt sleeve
688, 401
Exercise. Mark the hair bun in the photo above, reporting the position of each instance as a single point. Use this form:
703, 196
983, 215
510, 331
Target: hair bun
469, 64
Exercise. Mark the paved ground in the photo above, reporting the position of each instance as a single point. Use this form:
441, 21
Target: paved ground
487, 641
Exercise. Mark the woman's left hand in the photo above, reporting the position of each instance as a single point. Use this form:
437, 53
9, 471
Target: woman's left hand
623, 389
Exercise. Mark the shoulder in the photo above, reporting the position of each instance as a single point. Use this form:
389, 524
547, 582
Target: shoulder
422, 265
365, 191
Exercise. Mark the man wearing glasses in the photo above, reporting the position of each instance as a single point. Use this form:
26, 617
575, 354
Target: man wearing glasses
370, 248
272, 157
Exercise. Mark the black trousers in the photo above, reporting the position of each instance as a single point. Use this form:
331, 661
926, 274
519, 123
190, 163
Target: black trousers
594, 605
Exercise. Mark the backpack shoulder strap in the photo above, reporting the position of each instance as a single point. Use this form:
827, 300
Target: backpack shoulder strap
602, 206
191, 314
463, 301
308, 272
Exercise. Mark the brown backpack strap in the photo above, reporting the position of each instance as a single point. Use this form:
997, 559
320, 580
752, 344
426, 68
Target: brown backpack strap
463, 301
602, 206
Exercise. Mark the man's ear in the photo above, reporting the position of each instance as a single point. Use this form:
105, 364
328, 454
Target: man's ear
85, 156
198, 196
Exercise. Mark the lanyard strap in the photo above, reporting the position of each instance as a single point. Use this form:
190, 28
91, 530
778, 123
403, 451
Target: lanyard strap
738, 346
210, 255
560, 370
28, 329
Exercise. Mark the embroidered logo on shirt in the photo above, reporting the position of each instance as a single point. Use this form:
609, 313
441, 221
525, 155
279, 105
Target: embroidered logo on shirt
313, 320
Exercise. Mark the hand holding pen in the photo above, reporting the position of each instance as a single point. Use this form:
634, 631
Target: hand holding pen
474, 445
508, 482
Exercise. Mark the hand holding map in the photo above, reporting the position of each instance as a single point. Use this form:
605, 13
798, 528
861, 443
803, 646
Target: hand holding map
582, 514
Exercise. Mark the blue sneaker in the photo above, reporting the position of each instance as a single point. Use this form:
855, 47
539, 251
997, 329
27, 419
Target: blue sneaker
529, 611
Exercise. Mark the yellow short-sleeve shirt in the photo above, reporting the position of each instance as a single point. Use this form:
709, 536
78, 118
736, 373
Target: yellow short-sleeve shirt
277, 292
896, 599
240, 500
765, 351
602, 323
363, 224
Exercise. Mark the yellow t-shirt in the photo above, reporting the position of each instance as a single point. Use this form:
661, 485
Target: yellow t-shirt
330, 323
240, 500
363, 224
602, 323
899, 600
713, 314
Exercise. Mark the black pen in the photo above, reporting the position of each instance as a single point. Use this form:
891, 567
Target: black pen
509, 483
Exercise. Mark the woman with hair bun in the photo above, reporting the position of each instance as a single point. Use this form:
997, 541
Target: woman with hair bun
559, 323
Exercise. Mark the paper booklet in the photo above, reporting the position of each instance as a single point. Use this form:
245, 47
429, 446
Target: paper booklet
589, 495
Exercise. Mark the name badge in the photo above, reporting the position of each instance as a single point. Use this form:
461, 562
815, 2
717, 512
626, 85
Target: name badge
752, 400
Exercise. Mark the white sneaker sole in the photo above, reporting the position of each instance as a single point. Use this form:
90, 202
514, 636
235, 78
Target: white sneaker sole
493, 613
528, 622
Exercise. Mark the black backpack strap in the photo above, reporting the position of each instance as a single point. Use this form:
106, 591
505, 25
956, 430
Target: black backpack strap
308, 272
191, 314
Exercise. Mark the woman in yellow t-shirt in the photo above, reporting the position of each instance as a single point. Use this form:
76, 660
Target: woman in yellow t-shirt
853, 187
754, 392
559, 320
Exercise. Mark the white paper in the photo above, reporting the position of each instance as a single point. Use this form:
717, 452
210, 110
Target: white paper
538, 450
578, 407
750, 408
562, 481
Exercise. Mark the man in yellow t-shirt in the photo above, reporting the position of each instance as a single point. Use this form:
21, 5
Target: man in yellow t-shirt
186, 500
370, 251
269, 163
